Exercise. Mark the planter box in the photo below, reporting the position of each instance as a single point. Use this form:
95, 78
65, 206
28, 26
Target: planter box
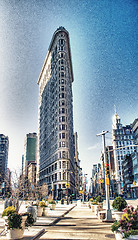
93, 208
39, 211
15, 234
96, 209
45, 211
52, 206
23, 222
118, 215
119, 236
102, 215
100, 206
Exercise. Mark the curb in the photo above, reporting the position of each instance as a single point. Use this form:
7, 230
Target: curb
38, 234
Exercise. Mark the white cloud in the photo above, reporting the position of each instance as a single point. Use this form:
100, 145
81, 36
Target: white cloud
95, 146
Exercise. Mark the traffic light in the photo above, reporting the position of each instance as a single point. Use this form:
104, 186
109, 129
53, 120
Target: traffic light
106, 168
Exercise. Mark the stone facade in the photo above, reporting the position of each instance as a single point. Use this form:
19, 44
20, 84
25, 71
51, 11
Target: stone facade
123, 144
4, 147
55, 165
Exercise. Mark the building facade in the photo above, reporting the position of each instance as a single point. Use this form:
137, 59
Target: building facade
110, 161
32, 178
56, 165
123, 144
78, 171
135, 159
128, 175
30, 151
4, 147
96, 183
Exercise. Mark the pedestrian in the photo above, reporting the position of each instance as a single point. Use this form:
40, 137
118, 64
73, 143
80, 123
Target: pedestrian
71, 199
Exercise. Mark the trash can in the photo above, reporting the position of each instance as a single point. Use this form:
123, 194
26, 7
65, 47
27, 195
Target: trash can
33, 211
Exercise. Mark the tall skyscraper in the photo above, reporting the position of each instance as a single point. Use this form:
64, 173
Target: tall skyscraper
30, 151
4, 147
56, 154
123, 144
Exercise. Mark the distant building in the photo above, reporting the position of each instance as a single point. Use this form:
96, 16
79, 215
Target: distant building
77, 166
123, 144
8, 186
32, 178
56, 165
110, 154
135, 159
4, 147
128, 175
110, 161
30, 151
96, 188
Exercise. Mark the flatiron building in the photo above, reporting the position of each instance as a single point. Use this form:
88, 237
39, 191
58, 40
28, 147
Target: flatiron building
55, 165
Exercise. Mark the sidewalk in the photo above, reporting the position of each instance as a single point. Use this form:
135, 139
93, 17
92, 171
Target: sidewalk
41, 223
79, 224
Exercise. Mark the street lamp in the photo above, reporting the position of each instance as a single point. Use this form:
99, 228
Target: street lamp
108, 211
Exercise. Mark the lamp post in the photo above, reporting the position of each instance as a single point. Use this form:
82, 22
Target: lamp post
108, 211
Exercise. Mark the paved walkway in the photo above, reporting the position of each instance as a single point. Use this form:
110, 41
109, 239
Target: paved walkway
80, 223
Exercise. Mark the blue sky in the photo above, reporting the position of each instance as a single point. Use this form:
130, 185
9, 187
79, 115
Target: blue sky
103, 37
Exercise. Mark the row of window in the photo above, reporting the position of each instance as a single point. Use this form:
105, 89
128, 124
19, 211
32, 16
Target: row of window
62, 74
62, 127
124, 137
123, 132
63, 144
62, 119
62, 88
124, 143
61, 164
63, 136
61, 176
54, 54
63, 154
62, 110
51, 178
62, 68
